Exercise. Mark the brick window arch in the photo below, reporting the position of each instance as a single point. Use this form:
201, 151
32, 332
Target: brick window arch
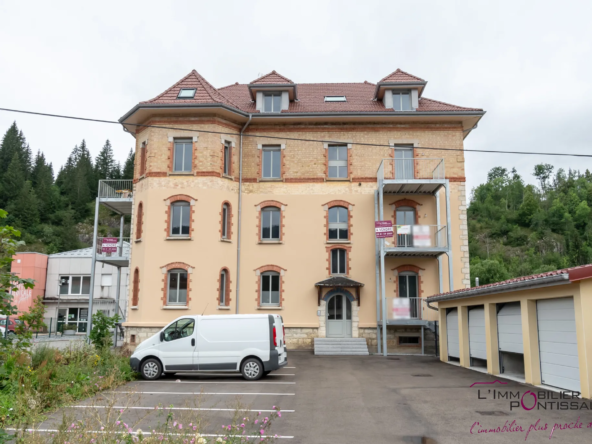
175, 267
406, 203
224, 287
270, 278
139, 221
333, 254
262, 223
136, 291
169, 213
338, 203
226, 221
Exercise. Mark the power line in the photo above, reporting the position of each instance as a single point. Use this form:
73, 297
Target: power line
115, 122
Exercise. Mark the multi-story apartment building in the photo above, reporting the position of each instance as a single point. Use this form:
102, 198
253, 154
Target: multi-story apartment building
260, 197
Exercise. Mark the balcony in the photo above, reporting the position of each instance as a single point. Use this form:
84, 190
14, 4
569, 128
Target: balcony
405, 311
114, 250
417, 241
411, 175
117, 195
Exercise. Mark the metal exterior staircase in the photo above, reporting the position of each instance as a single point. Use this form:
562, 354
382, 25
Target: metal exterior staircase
341, 346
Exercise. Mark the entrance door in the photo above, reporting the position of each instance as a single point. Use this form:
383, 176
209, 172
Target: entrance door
339, 323
404, 168
405, 216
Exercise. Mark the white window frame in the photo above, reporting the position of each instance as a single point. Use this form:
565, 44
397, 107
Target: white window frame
225, 211
337, 163
268, 212
339, 264
276, 150
177, 271
271, 94
184, 206
70, 278
223, 283
182, 90
398, 99
185, 142
335, 99
338, 225
269, 275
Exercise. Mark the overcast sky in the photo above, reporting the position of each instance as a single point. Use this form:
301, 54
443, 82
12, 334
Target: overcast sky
528, 64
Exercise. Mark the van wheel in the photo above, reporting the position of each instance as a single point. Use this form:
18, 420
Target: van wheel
151, 369
252, 369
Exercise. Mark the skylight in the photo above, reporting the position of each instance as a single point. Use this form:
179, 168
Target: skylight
186, 93
335, 99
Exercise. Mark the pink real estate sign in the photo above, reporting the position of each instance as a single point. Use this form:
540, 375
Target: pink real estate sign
383, 228
109, 245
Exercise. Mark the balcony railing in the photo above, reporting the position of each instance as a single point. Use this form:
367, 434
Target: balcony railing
116, 189
404, 309
418, 237
107, 248
411, 169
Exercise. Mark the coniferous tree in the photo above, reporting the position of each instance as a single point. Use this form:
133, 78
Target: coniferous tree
42, 180
24, 208
128, 167
13, 180
11, 144
105, 166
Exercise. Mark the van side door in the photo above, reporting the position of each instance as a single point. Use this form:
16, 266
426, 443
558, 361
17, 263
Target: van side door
178, 347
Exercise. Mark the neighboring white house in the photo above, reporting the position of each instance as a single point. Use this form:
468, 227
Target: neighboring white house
68, 287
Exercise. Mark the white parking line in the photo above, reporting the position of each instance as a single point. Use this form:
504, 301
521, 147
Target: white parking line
214, 382
173, 408
288, 367
207, 435
207, 393
282, 374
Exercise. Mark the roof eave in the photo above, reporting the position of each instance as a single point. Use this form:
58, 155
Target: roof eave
546, 281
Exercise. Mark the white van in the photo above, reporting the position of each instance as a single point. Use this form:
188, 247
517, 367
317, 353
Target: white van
251, 344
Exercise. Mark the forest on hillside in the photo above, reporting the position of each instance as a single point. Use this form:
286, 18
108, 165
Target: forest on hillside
515, 229
56, 213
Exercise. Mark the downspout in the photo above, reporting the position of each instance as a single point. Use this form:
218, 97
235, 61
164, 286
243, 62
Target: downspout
377, 253
240, 208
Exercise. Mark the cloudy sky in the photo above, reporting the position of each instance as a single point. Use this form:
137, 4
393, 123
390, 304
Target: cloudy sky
527, 63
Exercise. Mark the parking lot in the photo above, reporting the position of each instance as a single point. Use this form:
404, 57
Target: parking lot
351, 399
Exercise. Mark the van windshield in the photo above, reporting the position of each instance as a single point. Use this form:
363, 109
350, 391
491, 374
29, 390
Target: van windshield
180, 329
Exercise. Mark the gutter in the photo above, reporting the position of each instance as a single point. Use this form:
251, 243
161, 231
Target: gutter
240, 208
547, 281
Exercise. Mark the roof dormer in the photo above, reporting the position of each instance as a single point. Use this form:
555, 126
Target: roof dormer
272, 93
400, 91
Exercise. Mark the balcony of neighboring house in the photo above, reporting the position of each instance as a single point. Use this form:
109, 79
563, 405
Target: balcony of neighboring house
405, 174
407, 311
411, 240
117, 195
113, 251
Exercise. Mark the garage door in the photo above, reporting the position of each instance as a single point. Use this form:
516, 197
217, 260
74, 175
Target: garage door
477, 333
452, 333
558, 343
509, 328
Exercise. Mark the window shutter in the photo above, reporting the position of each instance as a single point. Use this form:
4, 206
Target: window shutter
259, 103
414, 99
285, 100
388, 99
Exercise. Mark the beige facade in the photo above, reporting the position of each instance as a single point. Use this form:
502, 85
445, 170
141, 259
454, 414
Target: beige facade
303, 194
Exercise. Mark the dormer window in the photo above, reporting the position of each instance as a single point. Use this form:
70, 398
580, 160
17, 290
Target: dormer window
186, 93
402, 101
272, 102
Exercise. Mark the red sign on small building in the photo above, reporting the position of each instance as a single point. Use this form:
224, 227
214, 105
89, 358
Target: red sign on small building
383, 228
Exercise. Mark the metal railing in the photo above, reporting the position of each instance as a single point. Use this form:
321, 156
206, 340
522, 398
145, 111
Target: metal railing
409, 169
107, 248
400, 309
56, 327
116, 189
418, 236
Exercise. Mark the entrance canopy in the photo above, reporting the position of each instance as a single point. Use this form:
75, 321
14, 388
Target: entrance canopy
338, 282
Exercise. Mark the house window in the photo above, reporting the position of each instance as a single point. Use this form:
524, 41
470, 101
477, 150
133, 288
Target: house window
180, 216
136, 291
225, 218
183, 156
227, 158
405, 216
73, 316
177, 287
337, 162
139, 221
272, 157
223, 286
270, 288
409, 340
338, 261
338, 223
272, 102
401, 100
408, 288
143, 157
186, 93
335, 99
270, 224
75, 285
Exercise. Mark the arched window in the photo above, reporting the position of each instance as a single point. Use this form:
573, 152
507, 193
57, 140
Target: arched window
408, 288
180, 218
405, 216
270, 288
338, 261
222, 301
270, 224
136, 292
139, 221
338, 223
225, 221
177, 287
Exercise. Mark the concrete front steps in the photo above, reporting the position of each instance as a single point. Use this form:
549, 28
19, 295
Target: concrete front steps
341, 346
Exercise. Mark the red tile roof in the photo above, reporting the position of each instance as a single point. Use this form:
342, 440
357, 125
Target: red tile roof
311, 96
574, 273
400, 76
271, 78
